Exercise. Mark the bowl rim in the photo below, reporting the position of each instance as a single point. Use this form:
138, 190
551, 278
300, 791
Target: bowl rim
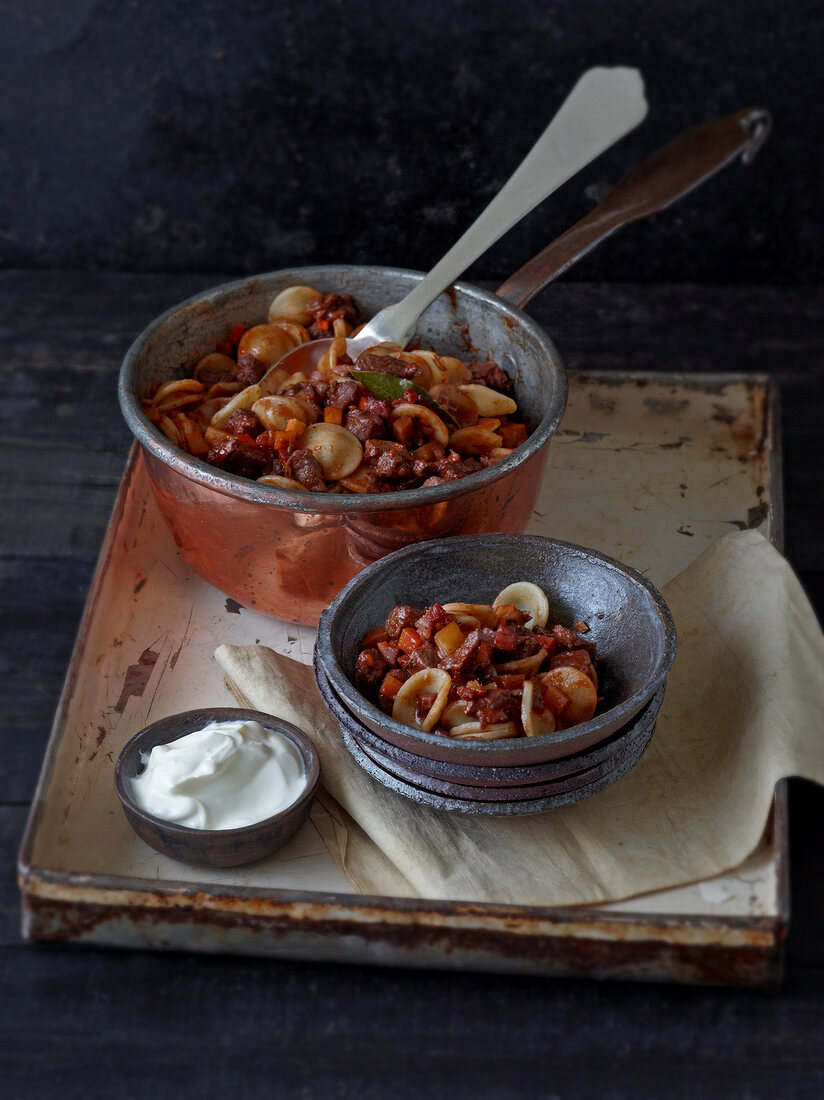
301, 741
364, 709
195, 469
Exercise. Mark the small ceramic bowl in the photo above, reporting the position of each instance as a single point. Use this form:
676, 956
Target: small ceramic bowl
213, 847
628, 620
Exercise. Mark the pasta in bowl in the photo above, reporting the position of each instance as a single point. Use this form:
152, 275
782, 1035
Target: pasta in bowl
601, 624
483, 672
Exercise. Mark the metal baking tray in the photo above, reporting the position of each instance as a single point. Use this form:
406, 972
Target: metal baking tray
648, 468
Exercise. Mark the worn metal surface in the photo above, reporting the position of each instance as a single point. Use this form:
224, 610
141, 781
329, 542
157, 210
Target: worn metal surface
648, 469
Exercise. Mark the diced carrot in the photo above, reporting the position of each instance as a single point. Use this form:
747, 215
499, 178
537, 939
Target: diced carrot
193, 437
448, 639
244, 437
237, 333
555, 700
377, 634
505, 611
512, 435
324, 325
295, 428
331, 415
391, 686
409, 640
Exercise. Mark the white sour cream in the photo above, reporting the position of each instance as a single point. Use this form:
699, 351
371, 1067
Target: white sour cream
224, 776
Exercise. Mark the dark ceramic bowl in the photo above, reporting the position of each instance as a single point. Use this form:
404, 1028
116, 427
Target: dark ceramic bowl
507, 802
628, 619
213, 847
425, 771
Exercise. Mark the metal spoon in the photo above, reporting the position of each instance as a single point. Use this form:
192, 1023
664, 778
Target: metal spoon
603, 106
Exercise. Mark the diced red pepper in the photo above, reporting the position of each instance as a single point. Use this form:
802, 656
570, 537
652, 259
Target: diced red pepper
236, 334
409, 640
225, 347
548, 643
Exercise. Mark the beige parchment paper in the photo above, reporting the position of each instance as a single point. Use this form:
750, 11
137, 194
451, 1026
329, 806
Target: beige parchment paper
743, 708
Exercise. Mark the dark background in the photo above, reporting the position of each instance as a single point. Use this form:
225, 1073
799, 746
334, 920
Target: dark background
241, 137
150, 149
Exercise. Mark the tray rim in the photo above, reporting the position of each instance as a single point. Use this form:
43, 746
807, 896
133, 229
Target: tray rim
762, 933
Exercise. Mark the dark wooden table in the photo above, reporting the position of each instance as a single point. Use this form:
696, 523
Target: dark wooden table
79, 1022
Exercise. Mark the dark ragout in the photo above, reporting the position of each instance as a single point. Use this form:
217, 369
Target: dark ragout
413, 418
478, 671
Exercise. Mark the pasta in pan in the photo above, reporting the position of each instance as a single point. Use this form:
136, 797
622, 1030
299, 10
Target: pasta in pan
395, 419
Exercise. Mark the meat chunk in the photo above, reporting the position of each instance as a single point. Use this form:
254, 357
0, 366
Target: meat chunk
433, 620
306, 391
399, 617
369, 670
342, 392
572, 658
305, 468
490, 374
473, 657
496, 705
388, 364
425, 656
237, 457
388, 458
243, 422
330, 307
249, 370
365, 425
568, 639
453, 466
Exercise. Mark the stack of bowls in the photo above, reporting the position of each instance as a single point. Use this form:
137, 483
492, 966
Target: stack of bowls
628, 620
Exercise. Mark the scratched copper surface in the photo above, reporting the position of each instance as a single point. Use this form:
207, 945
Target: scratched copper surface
646, 468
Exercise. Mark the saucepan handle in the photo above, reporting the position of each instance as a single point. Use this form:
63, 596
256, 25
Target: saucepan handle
673, 171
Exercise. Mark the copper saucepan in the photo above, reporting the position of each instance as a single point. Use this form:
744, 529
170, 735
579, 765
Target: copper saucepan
287, 553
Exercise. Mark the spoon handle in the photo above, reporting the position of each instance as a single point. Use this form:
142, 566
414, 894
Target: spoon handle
657, 182
603, 106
